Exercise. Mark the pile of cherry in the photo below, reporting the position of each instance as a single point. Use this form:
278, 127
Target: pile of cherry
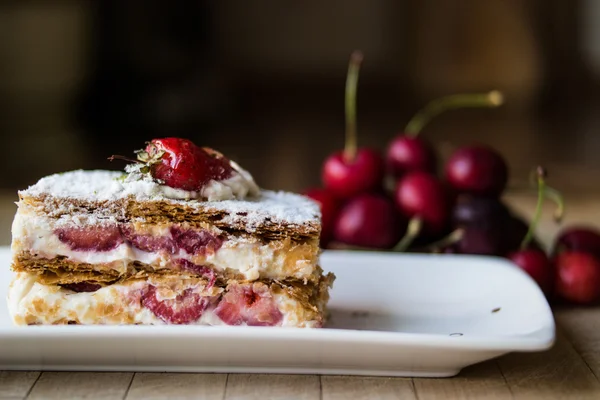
399, 203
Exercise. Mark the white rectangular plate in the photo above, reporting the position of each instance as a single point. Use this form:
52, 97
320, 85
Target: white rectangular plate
394, 315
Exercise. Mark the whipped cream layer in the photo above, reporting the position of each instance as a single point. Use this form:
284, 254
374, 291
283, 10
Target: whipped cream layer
237, 187
43, 237
31, 303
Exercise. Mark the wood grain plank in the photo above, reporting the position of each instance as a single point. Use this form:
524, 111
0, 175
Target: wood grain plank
582, 327
16, 383
476, 382
178, 386
559, 373
347, 387
260, 387
81, 385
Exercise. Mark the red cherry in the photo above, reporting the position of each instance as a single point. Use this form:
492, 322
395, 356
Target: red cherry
536, 263
422, 195
477, 170
409, 153
481, 241
329, 208
578, 277
180, 164
369, 220
489, 228
485, 212
352, 171
347, 178
579, 239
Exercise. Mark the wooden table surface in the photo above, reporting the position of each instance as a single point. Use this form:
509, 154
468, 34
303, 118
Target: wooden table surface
570, 370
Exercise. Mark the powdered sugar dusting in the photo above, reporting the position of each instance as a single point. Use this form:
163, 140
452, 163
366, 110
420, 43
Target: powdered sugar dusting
100, 186
276, 206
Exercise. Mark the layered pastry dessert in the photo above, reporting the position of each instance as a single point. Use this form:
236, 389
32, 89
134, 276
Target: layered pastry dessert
184, 236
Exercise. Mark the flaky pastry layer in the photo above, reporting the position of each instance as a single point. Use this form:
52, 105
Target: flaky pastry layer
164, 299
110, 245
59, 270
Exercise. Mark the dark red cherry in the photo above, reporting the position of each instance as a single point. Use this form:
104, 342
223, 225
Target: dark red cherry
478, 170
579, 238
481, 241
479, 211
369, 220
408, 153
577, 277
422, 195
329, 209
537, 264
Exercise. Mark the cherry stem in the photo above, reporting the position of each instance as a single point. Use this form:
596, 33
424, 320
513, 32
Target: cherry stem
541, 186
350, 147
118, 157
476, 100
412, 231
556, 197
553, 195
454, 237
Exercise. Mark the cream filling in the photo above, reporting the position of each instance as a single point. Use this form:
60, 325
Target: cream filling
30, 302
35, 234
237, 187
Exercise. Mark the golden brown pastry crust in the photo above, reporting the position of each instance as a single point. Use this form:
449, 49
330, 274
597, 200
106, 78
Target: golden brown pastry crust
308, 301
61, 270
159, 211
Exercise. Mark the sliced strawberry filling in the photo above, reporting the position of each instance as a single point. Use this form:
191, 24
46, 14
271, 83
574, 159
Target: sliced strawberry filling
106, 238
196, 242
149, 243
184, 309
249, 304
97, 238
199, 270
82, 287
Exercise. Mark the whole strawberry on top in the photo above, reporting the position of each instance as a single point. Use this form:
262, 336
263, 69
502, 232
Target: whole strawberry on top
180, 164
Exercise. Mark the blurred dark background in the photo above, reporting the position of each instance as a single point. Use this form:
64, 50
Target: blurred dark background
263, 81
